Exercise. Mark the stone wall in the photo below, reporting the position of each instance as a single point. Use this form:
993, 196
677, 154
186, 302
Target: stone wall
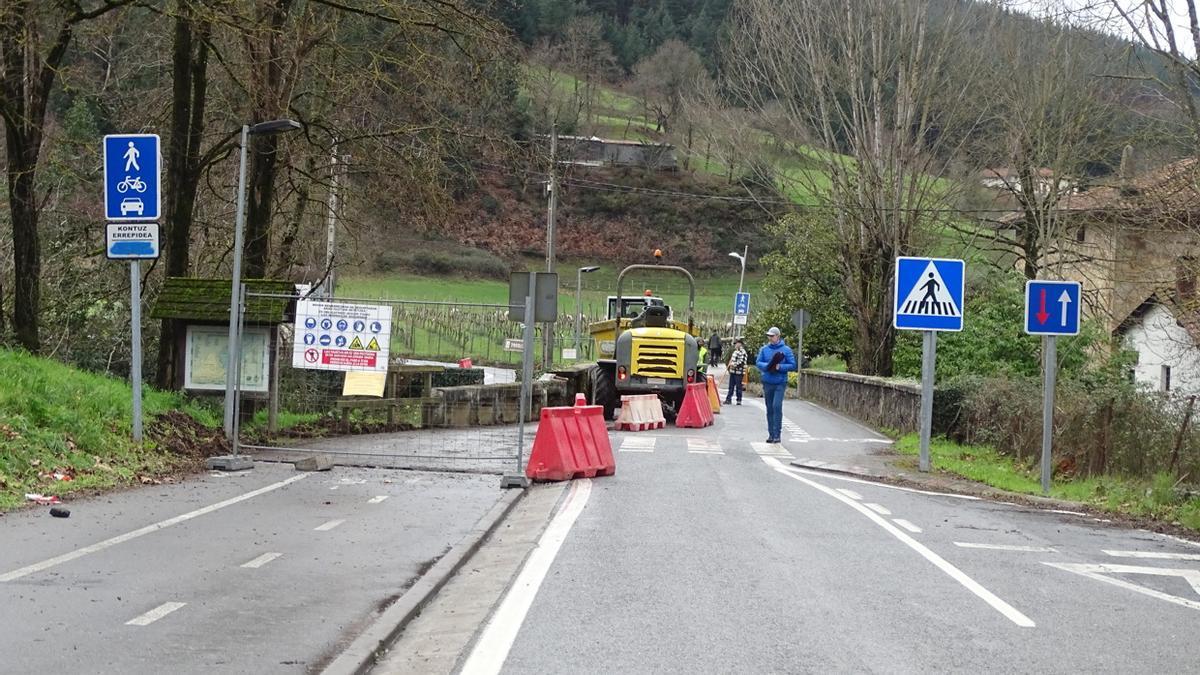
488, 404
878, 402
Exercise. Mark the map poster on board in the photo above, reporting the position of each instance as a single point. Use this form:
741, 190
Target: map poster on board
207, 357
333, 336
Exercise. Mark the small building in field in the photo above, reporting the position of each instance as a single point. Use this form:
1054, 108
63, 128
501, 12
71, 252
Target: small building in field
594, 151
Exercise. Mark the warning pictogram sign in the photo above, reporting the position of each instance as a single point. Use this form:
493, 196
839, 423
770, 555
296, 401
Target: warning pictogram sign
356, 344
373, 345
929, 294
330, 336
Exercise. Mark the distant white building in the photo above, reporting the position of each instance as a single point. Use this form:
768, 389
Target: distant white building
1168, 351
1008, 180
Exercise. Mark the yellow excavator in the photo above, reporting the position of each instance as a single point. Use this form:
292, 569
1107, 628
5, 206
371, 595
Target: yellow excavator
642, 349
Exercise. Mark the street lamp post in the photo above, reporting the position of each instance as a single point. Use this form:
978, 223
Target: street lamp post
260, 129
579, 302
741, 280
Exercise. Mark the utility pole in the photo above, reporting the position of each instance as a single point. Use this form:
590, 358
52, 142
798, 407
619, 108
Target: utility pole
552, 208
331, 222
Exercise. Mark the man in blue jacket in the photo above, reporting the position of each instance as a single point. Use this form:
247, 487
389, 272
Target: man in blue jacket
775, 360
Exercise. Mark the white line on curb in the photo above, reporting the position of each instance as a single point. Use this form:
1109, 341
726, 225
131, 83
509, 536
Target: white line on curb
120, 539
1010, 612
325, 527
1007, 547
860, 481
261, 560
490, 652
907, 525
155, 614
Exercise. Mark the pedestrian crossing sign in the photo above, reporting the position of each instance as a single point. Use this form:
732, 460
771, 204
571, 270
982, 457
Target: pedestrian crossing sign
929, 294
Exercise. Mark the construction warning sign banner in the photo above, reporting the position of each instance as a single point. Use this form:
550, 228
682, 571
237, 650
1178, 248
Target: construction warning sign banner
332, 336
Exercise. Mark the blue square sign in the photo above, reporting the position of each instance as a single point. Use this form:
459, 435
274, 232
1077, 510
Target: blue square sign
741, 304
929, 294
132, 170
1052, 307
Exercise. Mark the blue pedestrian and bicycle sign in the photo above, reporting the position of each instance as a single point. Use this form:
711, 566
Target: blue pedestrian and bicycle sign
132, 168
929, 294
1051, 307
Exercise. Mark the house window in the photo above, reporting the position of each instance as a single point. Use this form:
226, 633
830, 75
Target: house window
1081, 234
1164, 379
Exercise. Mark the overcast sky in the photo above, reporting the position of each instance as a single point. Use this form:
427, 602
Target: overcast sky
1103, 15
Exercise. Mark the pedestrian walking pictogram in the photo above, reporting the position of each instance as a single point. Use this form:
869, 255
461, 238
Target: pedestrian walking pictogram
929, 294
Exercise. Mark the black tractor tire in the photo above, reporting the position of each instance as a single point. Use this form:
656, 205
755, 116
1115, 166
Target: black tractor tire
604, 391
671, 406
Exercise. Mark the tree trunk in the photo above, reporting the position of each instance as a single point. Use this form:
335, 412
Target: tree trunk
188, 97
260, 201
27, 260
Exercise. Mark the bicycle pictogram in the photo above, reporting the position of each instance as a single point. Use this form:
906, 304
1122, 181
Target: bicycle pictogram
131, 182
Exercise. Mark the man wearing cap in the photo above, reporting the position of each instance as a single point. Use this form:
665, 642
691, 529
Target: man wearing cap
775, 360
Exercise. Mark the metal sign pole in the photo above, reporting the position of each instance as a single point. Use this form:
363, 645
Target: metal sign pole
526, 370
135, 362
928, 360
799, 360
1050, 365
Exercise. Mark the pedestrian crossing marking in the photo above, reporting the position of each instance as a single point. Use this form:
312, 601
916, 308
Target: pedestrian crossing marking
704, 446
929, 296
769, 449
638, 444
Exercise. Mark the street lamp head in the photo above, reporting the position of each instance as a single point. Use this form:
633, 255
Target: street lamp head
735, 255
274, 127
590, 268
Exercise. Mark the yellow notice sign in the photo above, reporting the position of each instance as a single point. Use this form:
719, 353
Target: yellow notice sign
363, 383
373, 345
356, 344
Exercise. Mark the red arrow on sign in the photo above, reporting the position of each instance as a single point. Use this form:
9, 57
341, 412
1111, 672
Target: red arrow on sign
1042, 315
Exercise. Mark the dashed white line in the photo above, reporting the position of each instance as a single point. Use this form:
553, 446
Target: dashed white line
376, 499
907, 525
1154, 554
880, 509
120, 539
850, 493
1009, 612
261, 560
501, 630
325, 527
1007, 547
155, 614
638, 444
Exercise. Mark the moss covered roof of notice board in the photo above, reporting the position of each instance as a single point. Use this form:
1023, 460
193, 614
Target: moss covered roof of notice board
192, 299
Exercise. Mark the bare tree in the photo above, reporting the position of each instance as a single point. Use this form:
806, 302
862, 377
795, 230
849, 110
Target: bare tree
664, 79
880, 85
34, 38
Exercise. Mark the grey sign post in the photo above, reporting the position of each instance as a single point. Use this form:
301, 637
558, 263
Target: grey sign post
1052, 308
532, 297
929, 294
135, 359
800, 319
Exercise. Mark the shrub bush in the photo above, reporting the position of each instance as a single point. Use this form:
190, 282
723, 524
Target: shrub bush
459, 261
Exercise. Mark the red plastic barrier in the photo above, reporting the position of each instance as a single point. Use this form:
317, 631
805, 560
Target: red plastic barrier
695, 411
571, 443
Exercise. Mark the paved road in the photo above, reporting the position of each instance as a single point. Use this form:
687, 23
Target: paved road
265, 571
708, 553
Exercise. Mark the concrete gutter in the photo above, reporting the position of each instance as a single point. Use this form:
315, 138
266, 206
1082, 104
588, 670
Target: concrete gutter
361, 655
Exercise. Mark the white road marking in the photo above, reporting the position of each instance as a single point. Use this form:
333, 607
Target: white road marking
1007, 547
325, 527
840, 440
860, 481
120, 539
333, 487
953, 572
850, 493
638, 443
490, 652
1100, 572
907, 525
881, 510
769, 449
704, 446
261, 560
155, 614
1154, 554
376, 499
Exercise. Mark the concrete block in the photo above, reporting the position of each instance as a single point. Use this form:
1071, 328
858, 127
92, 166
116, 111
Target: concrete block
229, 463
315, 463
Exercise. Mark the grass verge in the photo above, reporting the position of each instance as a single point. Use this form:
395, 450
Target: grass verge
58, 420
1158, 498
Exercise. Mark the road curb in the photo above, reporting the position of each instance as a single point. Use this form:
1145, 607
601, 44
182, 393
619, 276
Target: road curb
360, 656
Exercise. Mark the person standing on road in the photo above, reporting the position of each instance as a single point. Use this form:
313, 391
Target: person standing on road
737, 371
701, 359
714, 349
775, 360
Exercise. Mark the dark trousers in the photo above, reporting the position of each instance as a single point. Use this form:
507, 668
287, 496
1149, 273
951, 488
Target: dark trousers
735, 385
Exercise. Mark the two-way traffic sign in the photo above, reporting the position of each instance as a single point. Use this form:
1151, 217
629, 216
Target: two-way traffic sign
929, 294
132, 166
1051, 307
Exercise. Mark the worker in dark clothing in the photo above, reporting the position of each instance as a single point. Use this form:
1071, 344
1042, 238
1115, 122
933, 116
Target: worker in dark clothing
714, 349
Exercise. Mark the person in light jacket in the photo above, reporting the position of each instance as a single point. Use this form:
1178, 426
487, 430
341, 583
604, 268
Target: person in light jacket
775, 360
737, 370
